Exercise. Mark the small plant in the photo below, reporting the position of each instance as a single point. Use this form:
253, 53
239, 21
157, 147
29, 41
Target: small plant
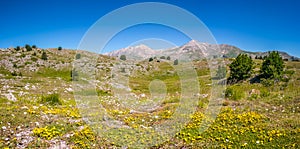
47, 132
18, 48
34, 46
234, 93
59, 48
123, 57
168, 58
34, 59
28, 47
44, 56
14, 73
175, 62
52, 99
150, 59
162, 57
78, 56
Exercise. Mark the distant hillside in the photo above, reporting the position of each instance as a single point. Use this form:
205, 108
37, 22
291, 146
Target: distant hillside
191, 50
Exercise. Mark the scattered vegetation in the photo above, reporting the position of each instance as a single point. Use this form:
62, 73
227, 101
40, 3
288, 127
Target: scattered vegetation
254, 115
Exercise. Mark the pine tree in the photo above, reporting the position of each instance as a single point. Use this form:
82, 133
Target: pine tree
241, 68
272, 66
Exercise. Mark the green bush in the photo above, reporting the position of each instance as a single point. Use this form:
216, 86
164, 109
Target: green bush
272, 66
241, 68
123, 57
168, 58
59, 48
234, 93
78, 56
44, 56
176, 62
264, 93
28, 47
52, 99
150, 59
18, 48
34, 59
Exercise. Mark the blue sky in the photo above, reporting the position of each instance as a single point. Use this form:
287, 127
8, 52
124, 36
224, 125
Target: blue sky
254, 25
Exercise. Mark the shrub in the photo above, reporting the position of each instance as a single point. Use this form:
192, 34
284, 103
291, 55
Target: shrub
168, 58
52, 99
34, 46
234, 93
176, 62
34, 59
59, 48
162, 57
44, 56
28, 47
14, 73
150, 59
78, 56
241, 68
18, 48
123, 57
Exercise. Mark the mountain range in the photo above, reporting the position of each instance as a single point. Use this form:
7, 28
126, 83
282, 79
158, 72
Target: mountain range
192, 50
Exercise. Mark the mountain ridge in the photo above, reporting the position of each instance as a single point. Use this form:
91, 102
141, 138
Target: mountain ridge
192, 50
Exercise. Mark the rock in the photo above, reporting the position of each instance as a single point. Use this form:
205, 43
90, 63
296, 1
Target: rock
10, 97
143, 95
69, 89
26, 86
254, 91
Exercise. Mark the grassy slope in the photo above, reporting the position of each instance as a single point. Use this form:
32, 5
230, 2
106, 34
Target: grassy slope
267, 120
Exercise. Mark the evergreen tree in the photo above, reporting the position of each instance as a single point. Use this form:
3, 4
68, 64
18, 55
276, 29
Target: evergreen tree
272, 66
241, 68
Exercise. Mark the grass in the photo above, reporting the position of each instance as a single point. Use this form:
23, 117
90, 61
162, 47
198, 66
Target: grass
64, 74
52, 99
268, 119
